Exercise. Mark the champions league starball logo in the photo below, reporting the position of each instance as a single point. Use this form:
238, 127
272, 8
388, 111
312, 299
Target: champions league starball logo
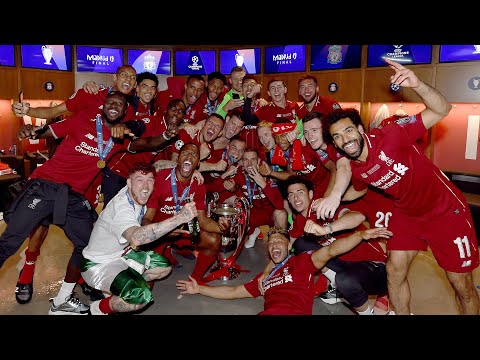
398, 55
195, 65
149, 63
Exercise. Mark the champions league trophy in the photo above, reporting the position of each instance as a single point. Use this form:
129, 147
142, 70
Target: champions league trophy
477, 49
47, 52
239, 59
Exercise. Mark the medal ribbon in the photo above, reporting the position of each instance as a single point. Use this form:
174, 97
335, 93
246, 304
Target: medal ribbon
249, 189
173, 180
278, 266
211, 108
131, 202
102, 154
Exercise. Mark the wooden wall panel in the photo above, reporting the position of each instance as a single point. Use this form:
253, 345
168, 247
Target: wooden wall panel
33, 81
452, 80
8, 82
349, 84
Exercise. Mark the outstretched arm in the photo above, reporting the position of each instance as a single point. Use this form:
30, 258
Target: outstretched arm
139, 235
44, 112
321, 256
218, 292
342, 175
436, 104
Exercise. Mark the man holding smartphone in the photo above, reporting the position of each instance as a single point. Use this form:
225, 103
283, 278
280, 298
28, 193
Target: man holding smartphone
233, 98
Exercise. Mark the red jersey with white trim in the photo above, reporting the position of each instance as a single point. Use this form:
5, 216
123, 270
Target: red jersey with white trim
395, 165
75, 159
289, 291
265, 198
122, 162
81, 100
185, 138
315, 170
322, 105
208, 107
163, 200
272, 112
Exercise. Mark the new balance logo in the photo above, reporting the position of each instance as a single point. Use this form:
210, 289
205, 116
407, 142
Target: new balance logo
169, 198
34, 203
399, 168
467, 263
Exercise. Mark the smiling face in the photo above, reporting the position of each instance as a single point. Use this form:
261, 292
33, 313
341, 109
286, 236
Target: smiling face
236, 79
312, 130
249, 160
146, 90
299, 197
215, 88
281, 140
349, 138
278, 247
308, 90
140, 186
265, 136
114, 107
212, 128
277, 91
125, 79
175, 112
233, 126
188, 160
235, 150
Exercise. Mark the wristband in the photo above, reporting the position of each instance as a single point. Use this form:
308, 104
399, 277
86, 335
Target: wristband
165, 136
327, 224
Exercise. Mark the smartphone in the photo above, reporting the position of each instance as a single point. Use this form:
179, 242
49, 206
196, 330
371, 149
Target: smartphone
20, 96
235, 96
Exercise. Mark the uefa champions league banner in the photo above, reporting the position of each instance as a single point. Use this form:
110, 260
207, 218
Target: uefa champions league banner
98, 59
201, 62
249, 59
49, 57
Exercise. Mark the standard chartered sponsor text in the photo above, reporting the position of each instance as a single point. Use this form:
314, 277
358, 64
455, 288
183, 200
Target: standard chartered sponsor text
86, 149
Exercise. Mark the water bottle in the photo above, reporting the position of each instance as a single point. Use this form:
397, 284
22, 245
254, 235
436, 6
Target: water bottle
193, 226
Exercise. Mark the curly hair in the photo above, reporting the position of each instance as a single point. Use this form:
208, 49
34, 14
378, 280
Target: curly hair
143, 167
337, 115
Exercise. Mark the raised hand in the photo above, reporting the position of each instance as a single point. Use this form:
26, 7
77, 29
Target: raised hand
403, 76
326, 207
311, 227
91, 87
188, 286
188, 212
230, 185
375, 233
264, 169
28, 131
20, 108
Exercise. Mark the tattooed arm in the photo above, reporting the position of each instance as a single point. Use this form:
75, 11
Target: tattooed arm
139, 235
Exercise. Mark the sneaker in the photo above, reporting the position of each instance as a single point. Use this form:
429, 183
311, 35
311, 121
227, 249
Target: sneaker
94, 294
331, 296
252, 238
23, 292
71, 306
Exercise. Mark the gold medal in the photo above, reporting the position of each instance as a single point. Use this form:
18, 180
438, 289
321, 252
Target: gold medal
101, 164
